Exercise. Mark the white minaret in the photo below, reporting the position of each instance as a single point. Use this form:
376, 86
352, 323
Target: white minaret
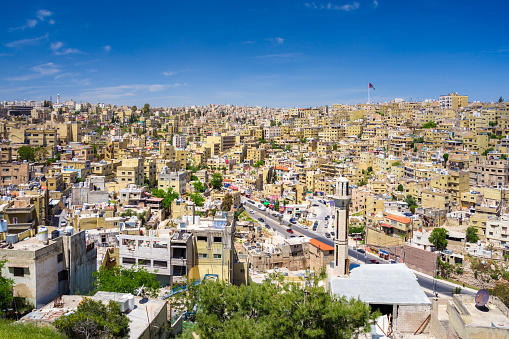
58, 98
340, 210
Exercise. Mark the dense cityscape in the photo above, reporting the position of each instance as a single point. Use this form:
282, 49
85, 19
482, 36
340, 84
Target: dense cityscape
352, 199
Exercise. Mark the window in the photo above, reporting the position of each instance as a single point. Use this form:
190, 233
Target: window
217, 256
131, 261
19, 271
160, 263
203, 255
60, 257
202, 238
218, 239
63, 275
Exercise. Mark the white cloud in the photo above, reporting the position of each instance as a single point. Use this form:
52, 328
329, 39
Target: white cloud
277, 56
276, 41
330, 6
46, 69
43, 13
25, 42
248, 42
56, 45
51, 21
67, 51
38, 71
122, 91
170, 73
375, 3
30, 24
107, 48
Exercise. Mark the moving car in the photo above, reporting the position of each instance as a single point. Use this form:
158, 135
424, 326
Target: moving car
327, 234
251, 211
374, 261
360, 250
292, 220
315, 205
289, 230
261, 219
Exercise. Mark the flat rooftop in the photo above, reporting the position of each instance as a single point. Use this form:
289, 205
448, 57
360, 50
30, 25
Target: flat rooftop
142, 309
381, 284
484, 318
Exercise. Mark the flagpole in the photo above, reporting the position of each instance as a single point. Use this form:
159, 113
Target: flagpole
369, 101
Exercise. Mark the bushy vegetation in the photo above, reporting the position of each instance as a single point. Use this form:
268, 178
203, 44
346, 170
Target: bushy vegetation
20, 330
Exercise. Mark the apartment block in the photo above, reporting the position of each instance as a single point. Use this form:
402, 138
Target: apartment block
45, 269
15, 173
176, 180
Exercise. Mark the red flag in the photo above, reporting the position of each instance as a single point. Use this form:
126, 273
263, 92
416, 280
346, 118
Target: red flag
371, 86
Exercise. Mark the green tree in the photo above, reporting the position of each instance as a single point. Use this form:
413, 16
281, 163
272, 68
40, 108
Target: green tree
227, 203
199, 187
26, 153
93, 319
488, 150
258, 163
287, 148
438, 238
502, 292
272, 123
6, 286
430, 124
400, 188
275, 309
197, 198
146, 108
445, 156
500, 99
471, 234
216, 181
122, 279
167, 196
396, 163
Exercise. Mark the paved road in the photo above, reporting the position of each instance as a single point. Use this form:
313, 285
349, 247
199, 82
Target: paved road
425, 282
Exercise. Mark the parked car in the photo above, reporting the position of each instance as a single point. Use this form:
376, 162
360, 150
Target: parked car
251, 211
315, 205
293, 221
63, 222
392, 261
332, 233
261, 219
267, 226
360, 250
327, 234
289, 230
327, 217
314, 228
374, 261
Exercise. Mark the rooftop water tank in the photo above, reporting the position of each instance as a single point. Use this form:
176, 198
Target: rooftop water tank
3, 225
42, 234
12, 238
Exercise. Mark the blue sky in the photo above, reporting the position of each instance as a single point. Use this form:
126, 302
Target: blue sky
266, 53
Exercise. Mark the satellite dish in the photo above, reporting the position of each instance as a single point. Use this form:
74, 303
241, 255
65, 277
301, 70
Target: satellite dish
481, 298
